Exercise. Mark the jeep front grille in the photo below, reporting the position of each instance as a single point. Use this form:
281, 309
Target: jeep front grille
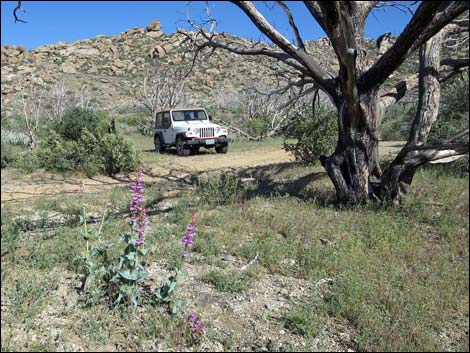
206, 132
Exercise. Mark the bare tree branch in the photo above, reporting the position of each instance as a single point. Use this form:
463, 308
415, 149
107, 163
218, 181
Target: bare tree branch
430, 18
315, 69
18, 7
299, 40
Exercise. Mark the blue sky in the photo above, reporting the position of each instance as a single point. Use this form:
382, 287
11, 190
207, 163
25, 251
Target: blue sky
50, 22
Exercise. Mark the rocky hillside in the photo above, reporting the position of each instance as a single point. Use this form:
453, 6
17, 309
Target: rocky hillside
112, 67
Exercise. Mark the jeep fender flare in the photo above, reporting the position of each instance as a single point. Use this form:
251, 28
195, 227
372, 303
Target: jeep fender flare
159, 134
181, 134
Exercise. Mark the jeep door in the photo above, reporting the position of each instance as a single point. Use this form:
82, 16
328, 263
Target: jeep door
168, 132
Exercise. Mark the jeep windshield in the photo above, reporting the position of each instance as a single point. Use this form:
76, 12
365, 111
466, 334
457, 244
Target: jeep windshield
189, 115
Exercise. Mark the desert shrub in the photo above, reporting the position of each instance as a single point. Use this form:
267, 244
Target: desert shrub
8, 154
221, 189
113, 154
76, 120
87, 146
130, 120
117, 154
315, 134
27, 161
55, 153
453, 113
257, 126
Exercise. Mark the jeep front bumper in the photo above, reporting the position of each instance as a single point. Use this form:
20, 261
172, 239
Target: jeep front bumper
207, 141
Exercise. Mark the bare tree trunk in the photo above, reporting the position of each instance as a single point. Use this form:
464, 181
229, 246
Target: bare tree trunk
32, 109
354, 160
401, 171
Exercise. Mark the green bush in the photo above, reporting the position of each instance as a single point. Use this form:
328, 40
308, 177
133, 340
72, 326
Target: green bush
316, 134
453, 113
56, 154
111, 156
28, 161
82, 142
76, 120
222, 189
8, 154
117, 154
257, 126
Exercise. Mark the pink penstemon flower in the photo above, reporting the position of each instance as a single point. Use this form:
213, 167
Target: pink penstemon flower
197, 326
188, 238
138, 218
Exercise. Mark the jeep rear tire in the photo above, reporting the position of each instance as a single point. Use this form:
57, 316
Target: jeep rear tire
181, 149
158, 144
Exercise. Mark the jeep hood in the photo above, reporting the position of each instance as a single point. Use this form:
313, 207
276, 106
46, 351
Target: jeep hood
196, 123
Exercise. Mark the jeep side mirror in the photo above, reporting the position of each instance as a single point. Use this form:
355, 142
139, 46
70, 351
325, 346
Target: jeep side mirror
210, 117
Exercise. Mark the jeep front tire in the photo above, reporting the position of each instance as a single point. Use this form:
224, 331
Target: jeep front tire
181, 149
223, 148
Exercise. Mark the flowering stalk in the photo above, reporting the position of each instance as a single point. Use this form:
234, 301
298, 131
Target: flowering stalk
196, 325
188, 238
138, 218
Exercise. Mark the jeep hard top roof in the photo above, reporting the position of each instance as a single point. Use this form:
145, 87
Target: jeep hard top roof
190, 108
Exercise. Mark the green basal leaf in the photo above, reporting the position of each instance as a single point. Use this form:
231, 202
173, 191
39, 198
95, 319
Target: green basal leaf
121, 260
130, 248
130, 275
115, 278
172, 285
85, 235
97, 249
83, 219
90, 264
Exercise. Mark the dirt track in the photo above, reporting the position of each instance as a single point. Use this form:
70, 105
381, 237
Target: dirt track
17, 187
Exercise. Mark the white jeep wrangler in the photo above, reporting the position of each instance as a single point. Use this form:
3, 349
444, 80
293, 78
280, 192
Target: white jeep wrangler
188, 129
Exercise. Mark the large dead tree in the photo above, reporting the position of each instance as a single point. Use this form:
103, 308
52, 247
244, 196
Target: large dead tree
357, 90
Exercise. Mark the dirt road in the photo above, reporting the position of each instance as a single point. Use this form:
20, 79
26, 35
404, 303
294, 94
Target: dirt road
18, 187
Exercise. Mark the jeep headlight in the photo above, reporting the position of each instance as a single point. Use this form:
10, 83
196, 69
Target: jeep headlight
217, 129
196, 131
